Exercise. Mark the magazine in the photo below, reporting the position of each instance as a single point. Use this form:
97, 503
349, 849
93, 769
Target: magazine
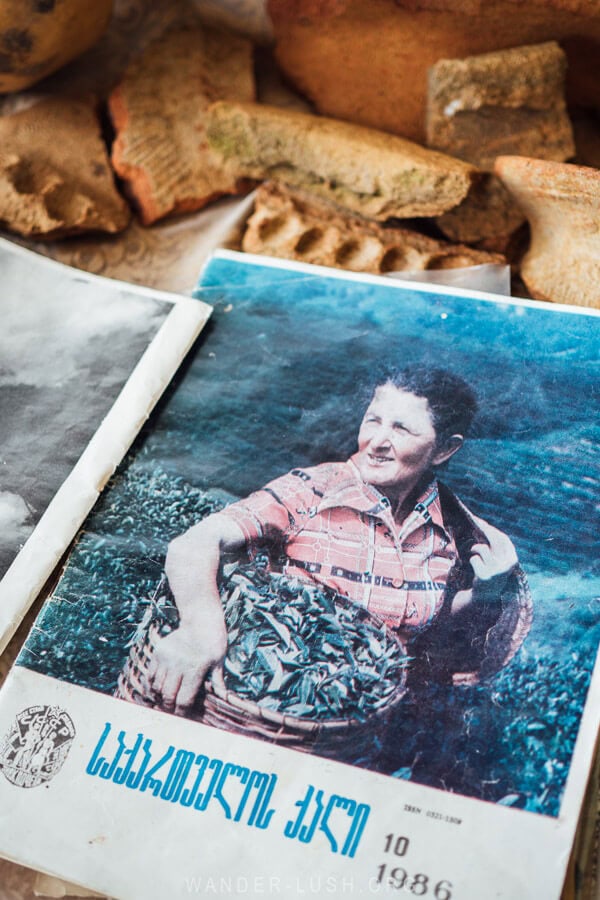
83, 360
332, 627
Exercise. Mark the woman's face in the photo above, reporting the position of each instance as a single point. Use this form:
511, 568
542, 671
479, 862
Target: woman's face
397, 442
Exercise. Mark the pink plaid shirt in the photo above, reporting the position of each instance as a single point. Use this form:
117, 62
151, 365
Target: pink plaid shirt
338, 531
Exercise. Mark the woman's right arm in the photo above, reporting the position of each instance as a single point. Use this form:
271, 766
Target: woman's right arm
182, 659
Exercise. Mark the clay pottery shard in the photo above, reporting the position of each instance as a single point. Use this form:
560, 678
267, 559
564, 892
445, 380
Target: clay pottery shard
367, 60
375, 174
495, 104
562, 204
55, 177
295, 225
159, 112
488, 212
39, 36
505, 102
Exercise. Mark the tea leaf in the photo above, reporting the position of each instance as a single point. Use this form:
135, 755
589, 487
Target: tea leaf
301, 649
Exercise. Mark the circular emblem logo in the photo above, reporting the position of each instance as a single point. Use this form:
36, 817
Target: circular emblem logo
36, 746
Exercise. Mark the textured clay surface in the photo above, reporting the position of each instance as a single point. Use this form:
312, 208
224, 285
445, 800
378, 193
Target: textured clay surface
367, 60
55, 177
294, 226
506, 102
562, 204
509, 101
367, 171
159, 112
40, 36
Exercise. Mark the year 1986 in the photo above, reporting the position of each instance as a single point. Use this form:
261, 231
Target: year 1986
396, 876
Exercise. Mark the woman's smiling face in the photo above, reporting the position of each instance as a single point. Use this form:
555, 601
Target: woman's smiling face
397, 442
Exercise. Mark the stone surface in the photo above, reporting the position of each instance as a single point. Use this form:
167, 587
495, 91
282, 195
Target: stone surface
562, 204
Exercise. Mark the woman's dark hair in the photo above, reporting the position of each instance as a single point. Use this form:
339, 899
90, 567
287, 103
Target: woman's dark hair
452, 401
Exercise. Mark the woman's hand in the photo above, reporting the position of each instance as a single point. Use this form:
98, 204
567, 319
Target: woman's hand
180, 664
492, 559
182, 659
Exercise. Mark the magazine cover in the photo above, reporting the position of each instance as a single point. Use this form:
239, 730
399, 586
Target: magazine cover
82, 361
332, 627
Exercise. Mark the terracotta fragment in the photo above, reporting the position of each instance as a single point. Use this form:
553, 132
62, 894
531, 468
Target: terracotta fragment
375, 174
562, 204
488, 213
509, 101
55, 177
500, 103
37, 38
293, 225
367, 60
159, 112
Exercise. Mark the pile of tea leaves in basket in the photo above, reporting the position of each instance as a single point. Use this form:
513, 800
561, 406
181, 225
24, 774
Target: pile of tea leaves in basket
295, 648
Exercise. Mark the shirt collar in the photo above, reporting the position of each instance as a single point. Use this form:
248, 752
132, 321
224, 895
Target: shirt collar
351, 491
427, 509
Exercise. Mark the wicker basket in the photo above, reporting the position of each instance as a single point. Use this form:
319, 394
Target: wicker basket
345, 739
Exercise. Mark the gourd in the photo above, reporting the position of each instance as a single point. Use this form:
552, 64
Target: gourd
39, 36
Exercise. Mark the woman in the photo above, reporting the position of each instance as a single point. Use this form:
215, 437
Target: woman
378, 528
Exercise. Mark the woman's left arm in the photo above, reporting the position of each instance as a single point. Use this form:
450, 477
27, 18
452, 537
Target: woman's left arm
492, 559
